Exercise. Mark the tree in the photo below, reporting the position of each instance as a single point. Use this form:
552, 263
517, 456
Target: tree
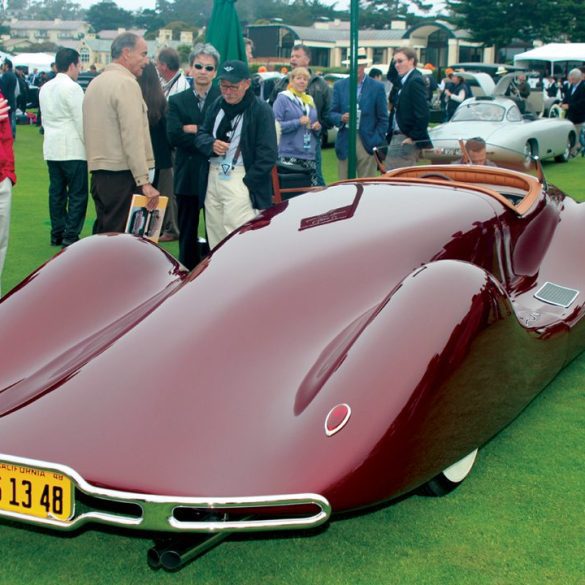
107, 16
380, 13
148, 19
51, 9
502, 21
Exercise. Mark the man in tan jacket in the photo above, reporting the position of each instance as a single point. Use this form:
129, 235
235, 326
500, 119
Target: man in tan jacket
117, 139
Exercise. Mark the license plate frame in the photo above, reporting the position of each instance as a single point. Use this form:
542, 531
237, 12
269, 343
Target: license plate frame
36, 492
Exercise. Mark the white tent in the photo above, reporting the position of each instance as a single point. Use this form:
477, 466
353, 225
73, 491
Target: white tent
40, 61
553, 53
4, 55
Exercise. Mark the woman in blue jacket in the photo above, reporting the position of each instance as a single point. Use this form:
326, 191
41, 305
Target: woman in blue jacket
300, 129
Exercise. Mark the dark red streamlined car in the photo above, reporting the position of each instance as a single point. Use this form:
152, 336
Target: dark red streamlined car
345, 347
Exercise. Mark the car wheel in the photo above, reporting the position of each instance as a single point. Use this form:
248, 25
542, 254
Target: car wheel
530, 150
450, 478
566, 154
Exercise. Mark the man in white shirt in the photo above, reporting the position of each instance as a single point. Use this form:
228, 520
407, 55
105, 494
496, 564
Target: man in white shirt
61, 101
171, 77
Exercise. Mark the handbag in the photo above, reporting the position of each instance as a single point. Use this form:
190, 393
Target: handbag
293, 176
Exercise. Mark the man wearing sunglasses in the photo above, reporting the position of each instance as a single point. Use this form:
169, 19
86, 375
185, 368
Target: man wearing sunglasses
185, 115
239, 136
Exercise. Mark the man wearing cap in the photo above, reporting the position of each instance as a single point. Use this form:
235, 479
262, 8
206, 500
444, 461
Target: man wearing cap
239, 136
372, 120
410, 114
117, 138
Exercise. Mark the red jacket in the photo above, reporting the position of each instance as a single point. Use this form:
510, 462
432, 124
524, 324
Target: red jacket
6, 150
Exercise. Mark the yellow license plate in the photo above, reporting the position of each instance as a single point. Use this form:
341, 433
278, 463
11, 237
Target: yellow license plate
40, 493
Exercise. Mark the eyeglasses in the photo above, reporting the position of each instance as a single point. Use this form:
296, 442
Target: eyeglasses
227, 87
199, 67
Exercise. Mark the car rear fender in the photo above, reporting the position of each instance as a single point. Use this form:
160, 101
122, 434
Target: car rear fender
422, 380
77, 298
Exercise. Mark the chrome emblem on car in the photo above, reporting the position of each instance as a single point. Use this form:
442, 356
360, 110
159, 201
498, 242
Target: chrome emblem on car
337, 419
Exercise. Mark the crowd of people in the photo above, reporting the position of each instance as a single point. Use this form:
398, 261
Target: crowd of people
212, 142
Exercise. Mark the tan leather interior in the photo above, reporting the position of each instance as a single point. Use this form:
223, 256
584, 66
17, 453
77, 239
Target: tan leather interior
484, 179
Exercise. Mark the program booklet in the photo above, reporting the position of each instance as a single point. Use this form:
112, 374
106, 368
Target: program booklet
142, 222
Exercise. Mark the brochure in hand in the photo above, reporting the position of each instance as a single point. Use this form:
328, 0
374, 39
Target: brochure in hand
145, 223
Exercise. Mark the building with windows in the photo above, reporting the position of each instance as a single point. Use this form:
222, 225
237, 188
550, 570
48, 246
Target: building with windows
436, 42
47, 31
94, 49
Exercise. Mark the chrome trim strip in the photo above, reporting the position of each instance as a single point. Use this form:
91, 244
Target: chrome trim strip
157, 511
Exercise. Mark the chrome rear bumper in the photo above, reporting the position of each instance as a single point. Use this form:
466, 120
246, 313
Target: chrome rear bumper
159, 513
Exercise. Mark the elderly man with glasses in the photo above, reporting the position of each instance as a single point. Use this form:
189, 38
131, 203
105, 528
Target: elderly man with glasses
185, 115
239, 136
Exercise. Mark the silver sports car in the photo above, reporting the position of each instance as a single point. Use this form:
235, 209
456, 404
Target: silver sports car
498, 121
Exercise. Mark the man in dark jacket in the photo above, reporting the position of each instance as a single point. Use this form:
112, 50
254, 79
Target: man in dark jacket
574, 104
8, 85
186, 113
410, 114
318, 89
239, 135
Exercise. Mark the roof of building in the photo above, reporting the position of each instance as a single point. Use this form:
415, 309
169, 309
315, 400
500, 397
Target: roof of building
320, 35
47, 24
111, 34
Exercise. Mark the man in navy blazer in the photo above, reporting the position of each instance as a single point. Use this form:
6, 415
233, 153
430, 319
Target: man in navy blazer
574, 104
410, 118
372, 121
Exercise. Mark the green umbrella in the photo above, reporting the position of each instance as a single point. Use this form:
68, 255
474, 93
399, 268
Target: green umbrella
224, 31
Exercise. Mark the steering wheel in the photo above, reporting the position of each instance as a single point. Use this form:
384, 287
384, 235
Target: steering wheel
436, 175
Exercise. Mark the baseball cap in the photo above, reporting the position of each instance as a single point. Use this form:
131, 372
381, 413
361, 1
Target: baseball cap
233, 71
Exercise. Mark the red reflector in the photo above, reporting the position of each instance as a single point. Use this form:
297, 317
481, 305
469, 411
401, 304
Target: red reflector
337, 419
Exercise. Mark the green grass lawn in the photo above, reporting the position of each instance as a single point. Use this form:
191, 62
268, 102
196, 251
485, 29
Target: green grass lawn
518, 519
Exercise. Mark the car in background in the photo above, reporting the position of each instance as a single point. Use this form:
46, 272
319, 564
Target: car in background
489, 68
498, 121
85, 78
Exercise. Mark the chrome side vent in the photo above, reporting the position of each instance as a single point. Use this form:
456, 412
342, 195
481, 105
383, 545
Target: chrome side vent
554, 294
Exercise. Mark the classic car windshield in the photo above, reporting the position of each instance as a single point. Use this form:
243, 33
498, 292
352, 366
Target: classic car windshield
479, 112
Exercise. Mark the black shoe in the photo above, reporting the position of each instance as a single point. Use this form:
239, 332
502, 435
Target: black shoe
56, 241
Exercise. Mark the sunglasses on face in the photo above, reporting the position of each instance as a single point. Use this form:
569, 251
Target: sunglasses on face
199, 67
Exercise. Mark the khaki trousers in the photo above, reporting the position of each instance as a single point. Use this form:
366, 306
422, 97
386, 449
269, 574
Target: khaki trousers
227, 204
366, 164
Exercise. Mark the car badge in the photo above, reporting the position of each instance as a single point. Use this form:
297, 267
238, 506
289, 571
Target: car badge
337, 419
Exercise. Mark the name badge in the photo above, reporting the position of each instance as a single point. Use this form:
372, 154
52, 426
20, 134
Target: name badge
225, 171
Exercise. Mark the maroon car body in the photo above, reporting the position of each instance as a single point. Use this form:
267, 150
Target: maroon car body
411, 307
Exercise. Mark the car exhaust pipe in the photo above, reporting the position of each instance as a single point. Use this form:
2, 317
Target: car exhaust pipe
172, 555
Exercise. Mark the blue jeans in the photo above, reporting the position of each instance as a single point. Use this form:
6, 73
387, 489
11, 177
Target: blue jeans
318, 161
